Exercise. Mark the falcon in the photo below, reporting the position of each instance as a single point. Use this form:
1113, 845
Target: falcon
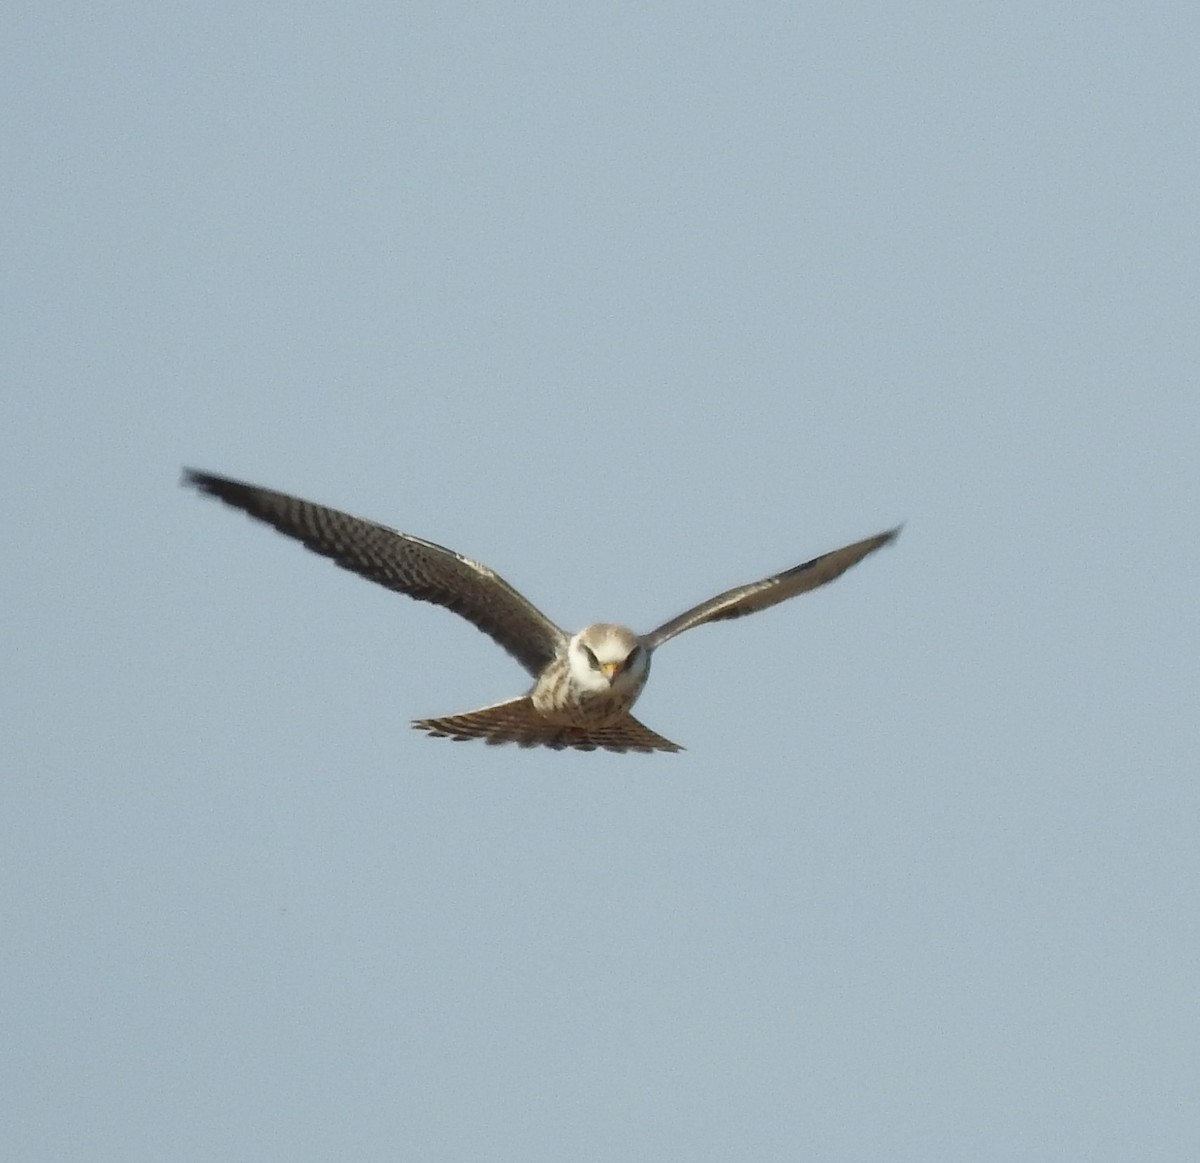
584, 683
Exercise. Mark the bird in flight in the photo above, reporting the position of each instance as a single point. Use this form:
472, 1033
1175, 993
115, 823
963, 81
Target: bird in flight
585, 683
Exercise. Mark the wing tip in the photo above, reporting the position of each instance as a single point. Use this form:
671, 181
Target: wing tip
207, 483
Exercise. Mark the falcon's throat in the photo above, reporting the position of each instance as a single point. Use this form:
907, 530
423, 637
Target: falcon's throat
605, 669
596, 680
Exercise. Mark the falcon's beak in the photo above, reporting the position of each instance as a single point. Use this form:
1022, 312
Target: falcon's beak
609, 669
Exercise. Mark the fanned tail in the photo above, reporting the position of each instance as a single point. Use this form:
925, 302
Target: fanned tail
516, 721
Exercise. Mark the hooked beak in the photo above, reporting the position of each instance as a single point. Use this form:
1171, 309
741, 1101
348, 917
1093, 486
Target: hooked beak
609, 669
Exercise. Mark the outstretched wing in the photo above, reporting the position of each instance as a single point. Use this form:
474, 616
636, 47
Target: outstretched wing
748, 599
405, 564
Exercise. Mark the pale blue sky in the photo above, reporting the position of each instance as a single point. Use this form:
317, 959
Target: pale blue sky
633, 304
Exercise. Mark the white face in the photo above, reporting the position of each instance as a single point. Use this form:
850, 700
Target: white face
606, 657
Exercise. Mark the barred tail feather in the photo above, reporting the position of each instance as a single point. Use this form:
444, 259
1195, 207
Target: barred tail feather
516, 721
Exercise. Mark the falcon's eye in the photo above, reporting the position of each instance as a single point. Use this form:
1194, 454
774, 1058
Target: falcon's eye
593, 661
632, 655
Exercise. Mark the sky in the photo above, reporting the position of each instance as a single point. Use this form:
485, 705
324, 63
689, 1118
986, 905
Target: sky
633, 304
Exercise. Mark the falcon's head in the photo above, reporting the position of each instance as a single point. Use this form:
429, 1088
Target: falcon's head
605, 656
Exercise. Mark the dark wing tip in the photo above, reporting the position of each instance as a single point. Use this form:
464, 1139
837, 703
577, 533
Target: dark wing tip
206, 482
241, 495
887, 537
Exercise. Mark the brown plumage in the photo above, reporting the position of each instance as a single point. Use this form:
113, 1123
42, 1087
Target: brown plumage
585, 684
517, 721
